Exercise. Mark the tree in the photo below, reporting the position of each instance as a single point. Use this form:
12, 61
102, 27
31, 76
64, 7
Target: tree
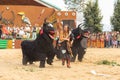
115, 19
75, 5
92, 17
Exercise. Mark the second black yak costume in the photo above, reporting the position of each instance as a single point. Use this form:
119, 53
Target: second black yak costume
79, 43
41, 48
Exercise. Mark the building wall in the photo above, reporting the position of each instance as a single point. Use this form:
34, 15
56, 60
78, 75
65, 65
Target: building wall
36, 14
66, 17
63, 16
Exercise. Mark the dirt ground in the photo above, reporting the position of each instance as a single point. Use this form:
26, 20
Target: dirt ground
11, 67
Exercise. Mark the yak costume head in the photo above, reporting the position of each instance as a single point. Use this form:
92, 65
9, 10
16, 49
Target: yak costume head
76, 33
47, 31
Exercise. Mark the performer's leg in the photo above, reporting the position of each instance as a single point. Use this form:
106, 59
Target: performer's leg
68, 63
63, 61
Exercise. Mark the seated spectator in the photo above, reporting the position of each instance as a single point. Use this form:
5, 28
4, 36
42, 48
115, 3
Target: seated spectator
34, 33
27, 30
0, 31
21, 33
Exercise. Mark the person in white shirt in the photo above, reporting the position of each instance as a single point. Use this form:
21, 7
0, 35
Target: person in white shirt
34, 33
27, 29
21, 33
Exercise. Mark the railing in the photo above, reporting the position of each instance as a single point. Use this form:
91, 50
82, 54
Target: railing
10, 44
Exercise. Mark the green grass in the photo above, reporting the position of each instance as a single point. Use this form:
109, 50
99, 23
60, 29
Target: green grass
106, 62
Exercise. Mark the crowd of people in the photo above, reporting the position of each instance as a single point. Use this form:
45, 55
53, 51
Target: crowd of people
104, 40
19, 32
95, 40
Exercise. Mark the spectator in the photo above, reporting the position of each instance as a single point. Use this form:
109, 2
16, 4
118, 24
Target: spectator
118, 39
34, 32
108, 38
114, 41
93, 40
98, 40
21, 33
27, 30
0, 31
102, 38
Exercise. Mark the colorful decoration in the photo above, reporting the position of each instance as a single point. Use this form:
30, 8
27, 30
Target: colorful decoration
59, 14
9, 45
66, 14
3, 44
24, 18
73, 13
7, 21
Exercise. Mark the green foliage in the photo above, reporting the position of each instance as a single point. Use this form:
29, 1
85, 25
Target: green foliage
92, 16
106, 62
115, 19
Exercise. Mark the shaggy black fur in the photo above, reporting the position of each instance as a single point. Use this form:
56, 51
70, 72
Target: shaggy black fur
79, 43
57, 50
39, 49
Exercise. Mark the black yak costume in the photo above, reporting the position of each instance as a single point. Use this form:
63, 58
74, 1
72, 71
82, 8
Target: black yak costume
40, 48
79, 43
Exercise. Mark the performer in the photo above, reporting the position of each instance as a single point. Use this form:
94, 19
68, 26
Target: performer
65, 39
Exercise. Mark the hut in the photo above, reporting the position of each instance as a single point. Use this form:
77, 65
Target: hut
20, 12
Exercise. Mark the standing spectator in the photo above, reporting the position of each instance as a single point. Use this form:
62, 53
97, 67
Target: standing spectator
98, 40
93, 40
118, 39
107, 39
110, 36
114, 41
102, 37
